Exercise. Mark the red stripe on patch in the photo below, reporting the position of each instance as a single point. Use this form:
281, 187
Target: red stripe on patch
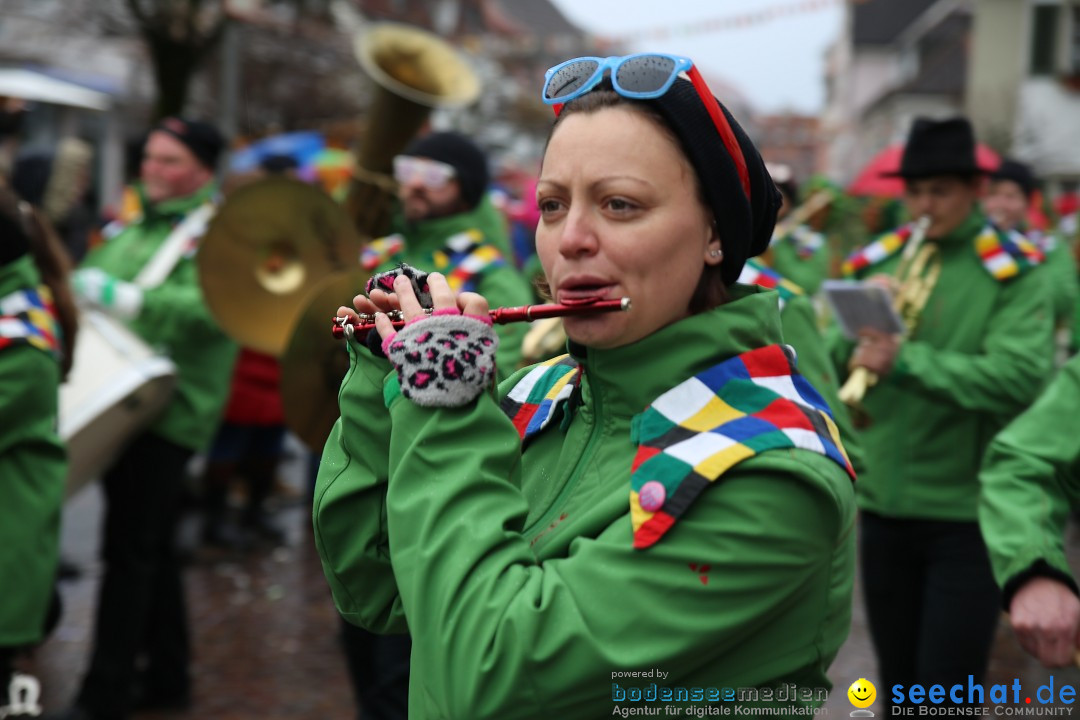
768, 361
784, 414
652, 530
644, 453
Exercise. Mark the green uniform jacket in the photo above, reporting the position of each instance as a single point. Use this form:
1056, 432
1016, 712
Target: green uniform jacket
175, 320
502, 285
515, 573
799, 323
1064, 287
978, 357
33, 466
806, 272
1029, 480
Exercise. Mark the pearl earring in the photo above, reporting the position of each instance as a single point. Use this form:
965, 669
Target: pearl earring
716, 254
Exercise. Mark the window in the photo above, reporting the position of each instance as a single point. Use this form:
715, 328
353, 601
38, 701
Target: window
1074, 42
1043, 39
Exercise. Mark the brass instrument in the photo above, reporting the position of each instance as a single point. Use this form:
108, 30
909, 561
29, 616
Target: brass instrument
916, 275
280, 256
413, 71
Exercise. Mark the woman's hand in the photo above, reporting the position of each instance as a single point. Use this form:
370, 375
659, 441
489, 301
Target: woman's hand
444, 301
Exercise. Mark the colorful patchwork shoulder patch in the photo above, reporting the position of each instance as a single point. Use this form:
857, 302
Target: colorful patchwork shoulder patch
27, 316
882, 248
381, 251
755, 273
539, 397
1006, 254
695, 432
464, 258
806, 241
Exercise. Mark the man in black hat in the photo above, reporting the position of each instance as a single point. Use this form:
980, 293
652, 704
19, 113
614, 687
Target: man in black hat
975, 355
141, 609
1008, 199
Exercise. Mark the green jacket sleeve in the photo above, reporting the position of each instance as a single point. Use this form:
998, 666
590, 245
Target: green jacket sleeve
1028, 478
1016, 356
349, 511
801, 332
498, 634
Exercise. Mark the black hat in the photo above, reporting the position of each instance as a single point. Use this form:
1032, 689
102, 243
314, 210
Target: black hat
938, 147
744, 224
202, 139
1016, 172
462, 154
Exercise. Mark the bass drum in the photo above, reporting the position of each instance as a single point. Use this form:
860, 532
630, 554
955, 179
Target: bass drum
116, 387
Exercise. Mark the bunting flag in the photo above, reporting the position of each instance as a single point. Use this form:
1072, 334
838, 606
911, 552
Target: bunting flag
692, 434
755, 273
27, 316
465, 258
876, 251
1006, 254
538, 397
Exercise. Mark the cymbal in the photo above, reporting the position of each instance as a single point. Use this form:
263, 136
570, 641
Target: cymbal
315, 363
266, 248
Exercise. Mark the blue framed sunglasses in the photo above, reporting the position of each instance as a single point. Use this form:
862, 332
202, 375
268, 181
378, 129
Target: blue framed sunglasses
640, 76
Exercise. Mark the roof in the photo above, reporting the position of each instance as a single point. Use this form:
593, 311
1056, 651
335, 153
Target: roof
880, 22
38, 87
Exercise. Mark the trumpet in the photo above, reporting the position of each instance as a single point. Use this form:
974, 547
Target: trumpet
345, 326
917, 274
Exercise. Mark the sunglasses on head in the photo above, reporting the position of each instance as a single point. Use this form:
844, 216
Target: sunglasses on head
429, 173
643, 76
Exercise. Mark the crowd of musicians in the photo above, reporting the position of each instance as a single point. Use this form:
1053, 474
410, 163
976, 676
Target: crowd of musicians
505, 519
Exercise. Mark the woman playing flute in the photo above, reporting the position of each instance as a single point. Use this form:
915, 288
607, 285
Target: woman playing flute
662, 516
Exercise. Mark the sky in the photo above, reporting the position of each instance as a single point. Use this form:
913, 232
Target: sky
772, 51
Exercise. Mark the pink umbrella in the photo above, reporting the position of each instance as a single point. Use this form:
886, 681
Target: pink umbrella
871, 180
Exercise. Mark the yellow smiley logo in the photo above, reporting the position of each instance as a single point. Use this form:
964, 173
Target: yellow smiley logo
862, 693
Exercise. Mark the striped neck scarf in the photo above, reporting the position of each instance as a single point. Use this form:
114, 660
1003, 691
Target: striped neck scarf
27, 316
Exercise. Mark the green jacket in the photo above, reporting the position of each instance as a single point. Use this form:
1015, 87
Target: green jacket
33, 466
1064, 287
514, 571
1030, 479
806, 272
501, 284
175, 320
978, 356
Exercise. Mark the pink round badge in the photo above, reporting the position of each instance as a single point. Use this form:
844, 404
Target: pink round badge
652, 496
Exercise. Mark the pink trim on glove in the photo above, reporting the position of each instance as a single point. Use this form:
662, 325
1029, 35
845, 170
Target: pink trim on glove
386, 342
486, 319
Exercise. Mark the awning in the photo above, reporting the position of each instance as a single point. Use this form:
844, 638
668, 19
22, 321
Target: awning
30, 85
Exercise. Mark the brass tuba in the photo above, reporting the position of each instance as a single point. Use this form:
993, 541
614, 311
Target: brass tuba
281, 256
916, 276
414, 71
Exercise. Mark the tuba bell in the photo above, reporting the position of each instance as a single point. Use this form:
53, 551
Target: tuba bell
414, 72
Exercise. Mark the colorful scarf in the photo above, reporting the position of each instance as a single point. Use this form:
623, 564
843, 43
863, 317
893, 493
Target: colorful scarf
538, 398
698, 430
27, 316
1004, 254
876, 251
380, 251
465, 258
755, 273
689, 436
806, 241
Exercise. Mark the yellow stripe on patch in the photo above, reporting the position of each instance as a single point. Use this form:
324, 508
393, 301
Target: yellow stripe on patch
715, 465
716, 412
638, 517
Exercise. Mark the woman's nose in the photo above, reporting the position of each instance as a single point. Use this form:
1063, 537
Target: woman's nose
578, 236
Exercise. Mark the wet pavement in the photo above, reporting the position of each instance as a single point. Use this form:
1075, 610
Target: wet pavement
265, 631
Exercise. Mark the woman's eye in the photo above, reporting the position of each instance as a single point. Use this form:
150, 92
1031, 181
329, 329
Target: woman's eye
547, 205
620, 204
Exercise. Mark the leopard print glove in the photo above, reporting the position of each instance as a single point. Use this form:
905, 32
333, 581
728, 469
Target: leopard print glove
445, 360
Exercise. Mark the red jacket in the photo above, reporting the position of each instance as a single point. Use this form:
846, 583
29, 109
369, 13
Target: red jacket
255, 398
